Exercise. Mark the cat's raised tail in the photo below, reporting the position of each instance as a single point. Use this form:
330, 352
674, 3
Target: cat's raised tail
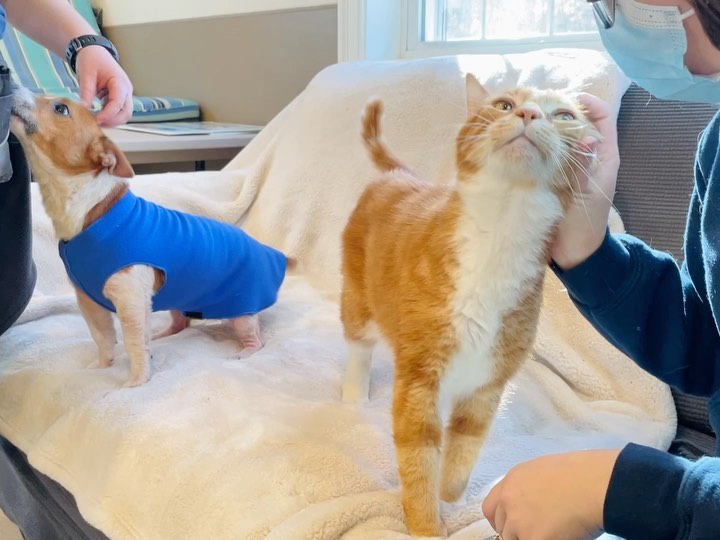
379, 153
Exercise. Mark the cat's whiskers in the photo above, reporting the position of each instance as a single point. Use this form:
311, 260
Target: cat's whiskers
477, 137
576, 195
573, 142
576, 163
582, 126
482, 126
582, 88
563, 172
569, 160
460, 106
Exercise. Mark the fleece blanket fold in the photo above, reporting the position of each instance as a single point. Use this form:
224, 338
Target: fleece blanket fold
217, 447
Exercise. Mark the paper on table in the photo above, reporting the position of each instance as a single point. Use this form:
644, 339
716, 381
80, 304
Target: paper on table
190, 128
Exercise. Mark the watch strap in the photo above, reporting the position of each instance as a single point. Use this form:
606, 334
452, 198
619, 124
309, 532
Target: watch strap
80, 42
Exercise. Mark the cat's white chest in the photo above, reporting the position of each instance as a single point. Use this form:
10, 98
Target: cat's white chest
499, 254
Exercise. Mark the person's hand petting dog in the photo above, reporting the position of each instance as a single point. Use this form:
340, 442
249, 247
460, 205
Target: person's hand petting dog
53, 24
100, 75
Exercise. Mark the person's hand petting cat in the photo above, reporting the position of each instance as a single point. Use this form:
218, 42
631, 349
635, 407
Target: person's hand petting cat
557, 497
583, 229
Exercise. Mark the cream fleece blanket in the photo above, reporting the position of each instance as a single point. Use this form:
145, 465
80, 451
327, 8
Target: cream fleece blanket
219, 448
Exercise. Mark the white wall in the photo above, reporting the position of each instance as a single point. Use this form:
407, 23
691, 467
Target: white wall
121, 12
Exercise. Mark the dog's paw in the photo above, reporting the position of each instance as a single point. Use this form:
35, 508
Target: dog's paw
247, 352
105, 362
101, 363
136, 381
162, 334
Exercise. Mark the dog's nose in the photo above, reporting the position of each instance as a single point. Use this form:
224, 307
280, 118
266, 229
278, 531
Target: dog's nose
23, 108
23, 98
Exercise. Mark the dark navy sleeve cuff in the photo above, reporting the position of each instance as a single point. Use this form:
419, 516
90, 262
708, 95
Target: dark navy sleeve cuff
642, 498
601, 277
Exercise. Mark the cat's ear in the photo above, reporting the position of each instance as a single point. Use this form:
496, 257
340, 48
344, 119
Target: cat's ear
476, 94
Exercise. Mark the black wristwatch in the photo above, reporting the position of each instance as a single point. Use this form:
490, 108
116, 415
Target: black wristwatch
81, 42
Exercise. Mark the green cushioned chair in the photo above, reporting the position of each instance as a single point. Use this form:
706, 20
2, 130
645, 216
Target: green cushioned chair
43, 72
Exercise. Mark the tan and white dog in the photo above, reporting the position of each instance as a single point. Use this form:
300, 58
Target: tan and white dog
82, 175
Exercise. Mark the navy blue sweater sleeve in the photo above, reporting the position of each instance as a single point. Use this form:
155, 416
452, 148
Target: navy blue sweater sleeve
648, 307
655, 495
654, 311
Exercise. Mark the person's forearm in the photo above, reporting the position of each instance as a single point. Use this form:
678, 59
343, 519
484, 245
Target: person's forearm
648, 307
655, 495
52, 23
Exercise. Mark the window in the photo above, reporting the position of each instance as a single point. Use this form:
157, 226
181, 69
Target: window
453, 26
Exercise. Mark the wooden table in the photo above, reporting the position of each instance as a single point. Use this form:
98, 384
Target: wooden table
142, 148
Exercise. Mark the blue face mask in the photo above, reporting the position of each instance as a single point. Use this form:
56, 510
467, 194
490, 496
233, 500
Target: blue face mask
648, 43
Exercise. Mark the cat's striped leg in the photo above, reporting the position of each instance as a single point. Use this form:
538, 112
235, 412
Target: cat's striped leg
418, 435
464, 436
361, 335
472, 417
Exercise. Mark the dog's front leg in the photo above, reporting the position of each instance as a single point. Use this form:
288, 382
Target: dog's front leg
131, 291
247, 329
102, 329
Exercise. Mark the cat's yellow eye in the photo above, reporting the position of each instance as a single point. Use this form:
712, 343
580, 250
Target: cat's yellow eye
565, 116
503, 105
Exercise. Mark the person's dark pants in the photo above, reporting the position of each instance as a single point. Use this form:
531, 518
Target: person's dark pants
17, 271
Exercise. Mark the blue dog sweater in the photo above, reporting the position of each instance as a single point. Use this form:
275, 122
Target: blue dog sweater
212, 270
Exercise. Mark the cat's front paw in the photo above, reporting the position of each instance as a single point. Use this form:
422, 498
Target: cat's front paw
438, 531
452, 489
354, 393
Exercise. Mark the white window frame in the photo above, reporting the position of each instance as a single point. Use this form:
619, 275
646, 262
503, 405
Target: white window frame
370, 29
416, 48
399, 36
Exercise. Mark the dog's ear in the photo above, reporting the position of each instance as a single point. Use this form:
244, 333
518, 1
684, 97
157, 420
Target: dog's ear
110, 157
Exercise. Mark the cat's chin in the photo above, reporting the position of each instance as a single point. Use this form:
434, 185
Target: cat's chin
521, 140
521, 152
521, 163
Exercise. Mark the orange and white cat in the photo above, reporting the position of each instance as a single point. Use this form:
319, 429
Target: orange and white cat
452, 277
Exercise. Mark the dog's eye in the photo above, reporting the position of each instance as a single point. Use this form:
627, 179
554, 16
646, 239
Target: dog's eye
61, 109
566, 116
